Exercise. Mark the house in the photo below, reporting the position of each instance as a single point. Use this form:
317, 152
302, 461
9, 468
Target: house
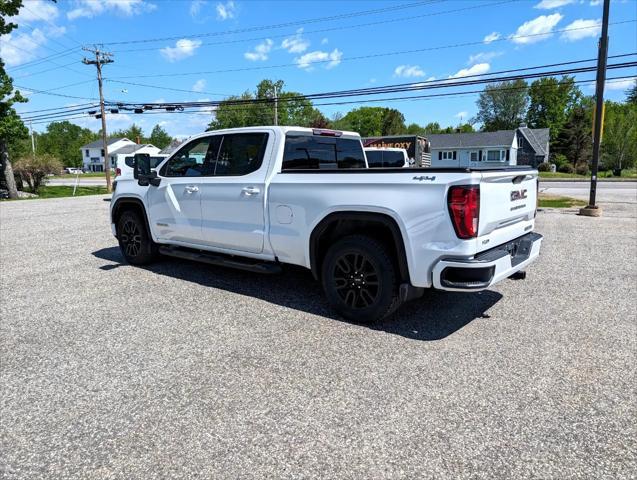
118, 157
93, 153
523, 146
170, 148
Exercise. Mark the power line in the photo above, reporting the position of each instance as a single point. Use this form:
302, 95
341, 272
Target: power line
281, 25
360, 57
376, 100
434, 84
343, 27
401, 84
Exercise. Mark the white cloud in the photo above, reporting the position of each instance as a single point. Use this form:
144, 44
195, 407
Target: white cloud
483, 57
477, 69
226, 11
18, 48
195, 7
295, 43
430, 79
199, 85
332, 59
184, 48
540, 28
92, 8
549, 4
260, 51
595, 3
492, 37
408, 71
324, 41
582, 29
36, 11
624, 84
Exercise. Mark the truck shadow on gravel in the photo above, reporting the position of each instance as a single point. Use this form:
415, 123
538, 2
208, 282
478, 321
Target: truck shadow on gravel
433, 317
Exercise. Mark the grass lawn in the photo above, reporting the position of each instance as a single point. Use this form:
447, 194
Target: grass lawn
554, 201
626, 175
56, 191
70, 176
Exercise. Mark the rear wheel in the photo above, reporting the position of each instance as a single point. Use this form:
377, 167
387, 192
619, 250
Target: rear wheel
134, 239
359, 279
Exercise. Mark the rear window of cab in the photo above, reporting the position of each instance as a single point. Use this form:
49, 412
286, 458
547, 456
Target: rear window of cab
312, 152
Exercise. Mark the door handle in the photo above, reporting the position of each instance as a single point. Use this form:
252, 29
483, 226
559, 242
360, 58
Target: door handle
251, 190
191, 189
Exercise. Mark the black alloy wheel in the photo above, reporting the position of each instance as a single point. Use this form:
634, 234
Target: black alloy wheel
356, 280
135, 242
359, 279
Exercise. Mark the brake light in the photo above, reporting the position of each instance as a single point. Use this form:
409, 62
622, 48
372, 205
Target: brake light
537, 195
326, 133
464, 208
118, 172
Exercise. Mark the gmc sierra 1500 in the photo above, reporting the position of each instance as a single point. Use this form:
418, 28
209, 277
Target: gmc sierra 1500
259, 197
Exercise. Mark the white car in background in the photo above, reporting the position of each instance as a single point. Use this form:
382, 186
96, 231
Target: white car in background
387, 157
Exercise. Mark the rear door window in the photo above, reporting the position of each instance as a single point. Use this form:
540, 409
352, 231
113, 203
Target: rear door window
309, 152
241, 154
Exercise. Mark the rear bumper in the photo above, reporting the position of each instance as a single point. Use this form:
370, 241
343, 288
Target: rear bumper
487, 268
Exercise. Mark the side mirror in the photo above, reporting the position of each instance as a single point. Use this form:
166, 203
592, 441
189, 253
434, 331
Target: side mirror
142, 172
141, 165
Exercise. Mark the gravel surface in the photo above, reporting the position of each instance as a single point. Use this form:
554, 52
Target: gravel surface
189, 371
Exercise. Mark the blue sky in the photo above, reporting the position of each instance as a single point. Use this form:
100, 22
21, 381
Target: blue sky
315, 56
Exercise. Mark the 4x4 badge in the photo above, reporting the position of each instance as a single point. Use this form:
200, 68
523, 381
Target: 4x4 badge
422, 178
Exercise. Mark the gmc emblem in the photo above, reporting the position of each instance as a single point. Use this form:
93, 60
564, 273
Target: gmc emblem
518, 195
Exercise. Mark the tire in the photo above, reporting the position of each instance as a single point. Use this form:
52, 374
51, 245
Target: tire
359, 279
135, 242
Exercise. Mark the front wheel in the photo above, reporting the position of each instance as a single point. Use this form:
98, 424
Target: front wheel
359, 279
134, 239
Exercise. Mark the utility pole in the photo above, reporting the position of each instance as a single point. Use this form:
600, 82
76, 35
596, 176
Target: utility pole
592, 210
32, 139
276, 106
101, 58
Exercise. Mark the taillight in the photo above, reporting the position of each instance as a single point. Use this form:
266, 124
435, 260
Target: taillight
537, 195
324, 132
464, 208
118, 172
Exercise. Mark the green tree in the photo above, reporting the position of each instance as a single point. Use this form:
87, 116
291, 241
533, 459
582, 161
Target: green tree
11, 127
159, 137
133, 133
291, 110
502, 106
575, 139
373, 121
550, 103
63, 141
432, 128
619, 142
465, 128
415, 129
631, 94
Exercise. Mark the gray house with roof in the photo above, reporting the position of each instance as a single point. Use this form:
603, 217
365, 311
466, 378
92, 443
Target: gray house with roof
523, 146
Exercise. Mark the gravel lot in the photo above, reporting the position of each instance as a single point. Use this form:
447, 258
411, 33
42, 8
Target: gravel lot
190, 371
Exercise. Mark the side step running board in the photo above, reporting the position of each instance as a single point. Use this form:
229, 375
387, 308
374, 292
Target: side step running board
239, 263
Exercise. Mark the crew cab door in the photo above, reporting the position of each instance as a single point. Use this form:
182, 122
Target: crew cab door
233, 197
175, 205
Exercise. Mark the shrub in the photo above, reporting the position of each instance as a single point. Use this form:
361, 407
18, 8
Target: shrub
559, 160
566, 168
544, 167
35, 170
582, 169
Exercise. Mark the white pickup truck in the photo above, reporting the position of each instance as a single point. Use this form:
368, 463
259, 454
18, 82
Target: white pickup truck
259, 197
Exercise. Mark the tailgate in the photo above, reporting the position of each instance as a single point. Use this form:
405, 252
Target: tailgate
508, 201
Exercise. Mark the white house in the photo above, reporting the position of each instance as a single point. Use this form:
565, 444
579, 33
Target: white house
523, 146
119, 156
93, 153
